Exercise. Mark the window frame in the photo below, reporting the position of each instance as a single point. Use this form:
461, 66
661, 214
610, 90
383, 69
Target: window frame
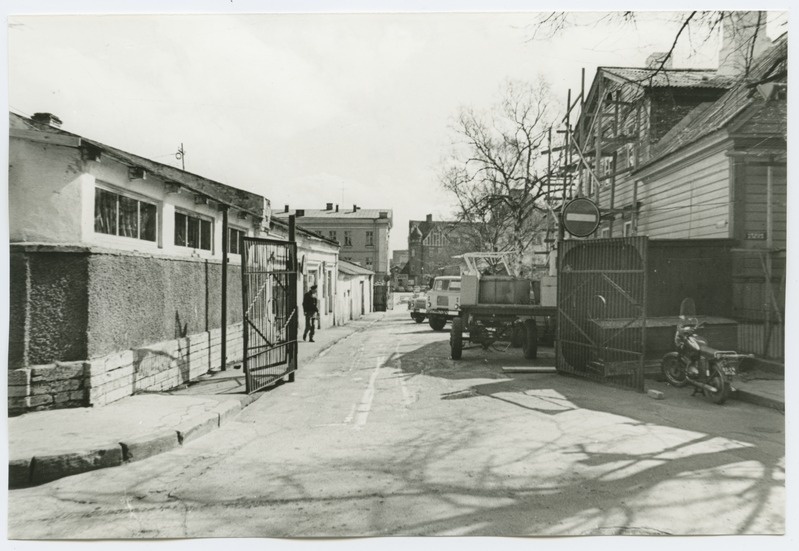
370, 238
231, 229
139, 198
347, 238
200, 217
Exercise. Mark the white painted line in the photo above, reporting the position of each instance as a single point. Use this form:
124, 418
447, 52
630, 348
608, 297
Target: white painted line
368, 396
575, 217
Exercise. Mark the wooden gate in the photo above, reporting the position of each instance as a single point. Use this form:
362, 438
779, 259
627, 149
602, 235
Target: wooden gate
602, 309
269, 291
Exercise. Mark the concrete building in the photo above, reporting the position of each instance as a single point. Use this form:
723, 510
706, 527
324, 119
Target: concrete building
432, 245
116, 265
355, 292
362, 233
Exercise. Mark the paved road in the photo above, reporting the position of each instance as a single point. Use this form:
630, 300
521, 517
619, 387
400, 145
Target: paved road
384, 435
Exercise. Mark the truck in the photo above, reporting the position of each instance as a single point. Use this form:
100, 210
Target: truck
443, 301
496, 306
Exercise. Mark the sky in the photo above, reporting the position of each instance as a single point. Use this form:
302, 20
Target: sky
312, 108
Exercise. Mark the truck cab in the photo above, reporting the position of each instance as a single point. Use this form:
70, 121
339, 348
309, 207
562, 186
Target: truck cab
443, 301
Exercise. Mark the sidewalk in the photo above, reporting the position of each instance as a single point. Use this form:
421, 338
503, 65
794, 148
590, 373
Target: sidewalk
47, 445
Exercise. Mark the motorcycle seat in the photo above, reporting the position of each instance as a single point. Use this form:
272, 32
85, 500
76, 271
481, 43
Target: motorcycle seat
707, 351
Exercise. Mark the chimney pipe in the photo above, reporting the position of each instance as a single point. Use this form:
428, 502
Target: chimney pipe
743, 32
47, 119
299, 212
286, 208
429, 218
354, 208
329, 206
336, 208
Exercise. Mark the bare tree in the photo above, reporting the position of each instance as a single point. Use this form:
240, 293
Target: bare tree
697, 27
496, 172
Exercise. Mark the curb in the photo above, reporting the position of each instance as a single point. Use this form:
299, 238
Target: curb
758, 400
24, 473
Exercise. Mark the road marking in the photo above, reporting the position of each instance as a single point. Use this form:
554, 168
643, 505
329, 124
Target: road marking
368, 396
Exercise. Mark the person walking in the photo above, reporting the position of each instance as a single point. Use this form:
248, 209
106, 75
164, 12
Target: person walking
311, 310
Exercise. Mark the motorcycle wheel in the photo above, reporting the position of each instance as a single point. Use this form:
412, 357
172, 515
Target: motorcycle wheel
719, 381
673, 370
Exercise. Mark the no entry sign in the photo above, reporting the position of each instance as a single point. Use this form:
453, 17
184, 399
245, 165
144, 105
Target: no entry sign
581, 217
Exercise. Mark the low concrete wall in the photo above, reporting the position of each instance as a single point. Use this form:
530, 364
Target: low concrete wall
73, 303
109, 378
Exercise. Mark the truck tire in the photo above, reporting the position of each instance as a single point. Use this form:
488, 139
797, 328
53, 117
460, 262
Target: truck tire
530, 340
437, 323
517, 336
418, 318
456, 339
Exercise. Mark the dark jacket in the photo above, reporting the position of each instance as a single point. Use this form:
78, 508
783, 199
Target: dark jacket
309, 304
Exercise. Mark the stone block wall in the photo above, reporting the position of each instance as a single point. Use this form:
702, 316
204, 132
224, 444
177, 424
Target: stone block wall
100, 381
51, 386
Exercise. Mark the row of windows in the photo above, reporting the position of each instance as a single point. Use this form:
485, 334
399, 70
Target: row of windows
123, 216
333, 236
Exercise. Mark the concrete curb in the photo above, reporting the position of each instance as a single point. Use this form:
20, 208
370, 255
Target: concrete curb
24, 473
758, 400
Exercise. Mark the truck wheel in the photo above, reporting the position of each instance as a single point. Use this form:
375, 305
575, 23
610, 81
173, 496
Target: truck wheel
530, 340
517, 336
456, 339
418, 318
437, 323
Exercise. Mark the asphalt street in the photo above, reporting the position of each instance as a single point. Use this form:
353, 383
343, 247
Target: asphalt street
385, 435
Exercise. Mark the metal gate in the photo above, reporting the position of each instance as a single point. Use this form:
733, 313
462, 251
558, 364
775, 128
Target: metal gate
602, 310
269, 291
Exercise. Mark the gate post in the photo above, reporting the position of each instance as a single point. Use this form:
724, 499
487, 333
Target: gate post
295, 322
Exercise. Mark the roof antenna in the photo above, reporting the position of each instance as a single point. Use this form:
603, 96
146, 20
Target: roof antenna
180, 156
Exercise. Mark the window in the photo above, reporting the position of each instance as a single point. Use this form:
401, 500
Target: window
369, 262
435, 239
116, 214
605, 233
347, 238
234, 236
628, 229
333, 235
454, 285
370, 239
192, 231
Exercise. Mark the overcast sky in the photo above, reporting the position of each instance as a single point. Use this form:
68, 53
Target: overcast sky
314, 108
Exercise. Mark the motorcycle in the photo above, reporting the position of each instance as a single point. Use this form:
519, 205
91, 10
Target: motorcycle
695, 362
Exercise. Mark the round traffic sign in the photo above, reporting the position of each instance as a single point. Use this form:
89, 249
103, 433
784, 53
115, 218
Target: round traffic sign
581, 217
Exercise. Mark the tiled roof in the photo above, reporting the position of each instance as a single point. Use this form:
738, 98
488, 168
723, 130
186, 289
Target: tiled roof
706, 119
672, 78
342, 213
349, 268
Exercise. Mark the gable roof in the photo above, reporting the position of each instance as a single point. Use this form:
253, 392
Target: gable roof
349, 268
706, 119
671, 78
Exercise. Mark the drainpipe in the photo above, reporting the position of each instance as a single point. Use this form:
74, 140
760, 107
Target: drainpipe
224, 285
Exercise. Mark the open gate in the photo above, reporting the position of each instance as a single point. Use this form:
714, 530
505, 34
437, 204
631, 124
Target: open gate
269, 291
602, 309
